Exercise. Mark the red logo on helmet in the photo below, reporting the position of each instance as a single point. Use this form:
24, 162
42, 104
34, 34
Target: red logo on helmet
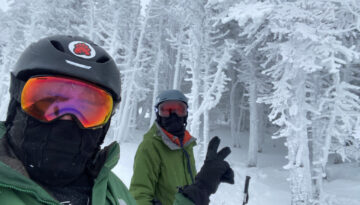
82, 49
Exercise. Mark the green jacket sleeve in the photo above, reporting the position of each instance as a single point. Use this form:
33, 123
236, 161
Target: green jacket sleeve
182, 200
146, 172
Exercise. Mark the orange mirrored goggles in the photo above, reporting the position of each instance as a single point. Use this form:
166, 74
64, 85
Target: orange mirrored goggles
47, 98
172, 106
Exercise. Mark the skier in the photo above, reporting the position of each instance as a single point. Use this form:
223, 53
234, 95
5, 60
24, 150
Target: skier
63, 92
164, 160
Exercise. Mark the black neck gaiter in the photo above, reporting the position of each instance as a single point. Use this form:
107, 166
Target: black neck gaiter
56, 153
174, 124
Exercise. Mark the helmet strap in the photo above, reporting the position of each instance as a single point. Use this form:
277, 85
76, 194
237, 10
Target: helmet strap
11, 114
16, 87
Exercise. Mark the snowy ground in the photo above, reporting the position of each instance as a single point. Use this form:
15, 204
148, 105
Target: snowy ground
268, 185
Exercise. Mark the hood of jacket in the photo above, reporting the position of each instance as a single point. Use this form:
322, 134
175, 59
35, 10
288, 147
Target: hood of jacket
157, 132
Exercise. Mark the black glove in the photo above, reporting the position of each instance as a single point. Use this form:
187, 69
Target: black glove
214, 171
156, 202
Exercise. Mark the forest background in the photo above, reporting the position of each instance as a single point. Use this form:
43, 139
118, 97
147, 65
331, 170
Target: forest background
268, 68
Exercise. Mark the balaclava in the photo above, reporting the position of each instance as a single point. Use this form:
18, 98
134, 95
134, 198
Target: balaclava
174, 124
54, 153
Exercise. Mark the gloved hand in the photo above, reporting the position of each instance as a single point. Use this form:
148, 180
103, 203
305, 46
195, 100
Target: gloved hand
214, 171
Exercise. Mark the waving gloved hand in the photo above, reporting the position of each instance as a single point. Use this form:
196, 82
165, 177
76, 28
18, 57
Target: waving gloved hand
214, 171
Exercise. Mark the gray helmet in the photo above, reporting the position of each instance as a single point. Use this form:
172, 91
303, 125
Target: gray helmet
70, 56
171, 95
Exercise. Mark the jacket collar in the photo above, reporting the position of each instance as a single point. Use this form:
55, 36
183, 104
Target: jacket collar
14, 175
8, 157
172, 141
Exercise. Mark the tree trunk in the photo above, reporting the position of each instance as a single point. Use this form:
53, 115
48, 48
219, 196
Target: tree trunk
233, 115
176, 82
254, 125
300, 175
298, 145
262, 128
205, 133
156, 82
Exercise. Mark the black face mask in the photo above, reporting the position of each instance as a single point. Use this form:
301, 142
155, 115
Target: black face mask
53, 153
173, 124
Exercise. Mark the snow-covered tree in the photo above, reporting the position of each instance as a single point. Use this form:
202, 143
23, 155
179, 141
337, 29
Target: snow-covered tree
205, 58
248, 41
300, 39
135, 55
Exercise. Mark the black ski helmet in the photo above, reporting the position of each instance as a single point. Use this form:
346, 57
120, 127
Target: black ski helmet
170, 95
71, 56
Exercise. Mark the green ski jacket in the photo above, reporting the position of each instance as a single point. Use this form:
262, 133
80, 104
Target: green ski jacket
16, 188
160, 167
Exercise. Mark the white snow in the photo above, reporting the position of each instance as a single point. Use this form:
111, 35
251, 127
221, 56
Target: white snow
242, 12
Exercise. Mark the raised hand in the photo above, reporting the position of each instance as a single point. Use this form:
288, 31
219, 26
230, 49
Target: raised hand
214, 171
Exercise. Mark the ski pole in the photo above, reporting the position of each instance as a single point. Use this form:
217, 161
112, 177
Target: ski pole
246, 189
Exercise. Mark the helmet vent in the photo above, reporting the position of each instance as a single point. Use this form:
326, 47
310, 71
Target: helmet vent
58, 46
103, 59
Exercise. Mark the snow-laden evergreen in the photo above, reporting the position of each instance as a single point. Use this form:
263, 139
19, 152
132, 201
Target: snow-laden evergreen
305, 55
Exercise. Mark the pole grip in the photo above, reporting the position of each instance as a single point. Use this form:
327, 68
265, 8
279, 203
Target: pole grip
247, 181
246, 190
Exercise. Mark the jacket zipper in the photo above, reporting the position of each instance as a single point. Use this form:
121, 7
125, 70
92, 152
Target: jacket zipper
188, 162
29, 192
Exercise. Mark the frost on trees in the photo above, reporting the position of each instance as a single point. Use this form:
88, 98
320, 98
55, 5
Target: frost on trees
300, 58
249, 40
304, 60
205, 57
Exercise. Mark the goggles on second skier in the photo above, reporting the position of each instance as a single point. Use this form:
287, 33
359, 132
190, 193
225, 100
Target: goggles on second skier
47, 98
172, 106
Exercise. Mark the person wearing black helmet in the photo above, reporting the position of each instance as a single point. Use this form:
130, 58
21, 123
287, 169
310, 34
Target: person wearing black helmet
165, 161
63, 92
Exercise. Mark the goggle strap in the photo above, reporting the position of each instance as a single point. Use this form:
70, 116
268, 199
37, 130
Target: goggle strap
16, 87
